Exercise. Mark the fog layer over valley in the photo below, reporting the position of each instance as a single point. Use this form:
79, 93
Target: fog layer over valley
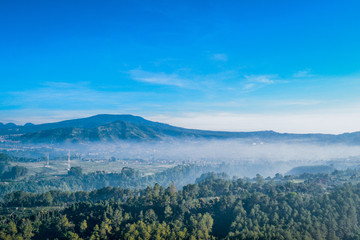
132, 152
244, 157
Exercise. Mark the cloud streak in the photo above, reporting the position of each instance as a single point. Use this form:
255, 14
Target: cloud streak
221, 57
213, 101
158, 78
281, 122
263, 79
303, 74
66, 95
227, 80
255, 82
53, 99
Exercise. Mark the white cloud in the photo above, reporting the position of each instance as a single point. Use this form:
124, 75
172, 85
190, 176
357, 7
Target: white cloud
219, 57
158, 78
37, 116
294, 102
255, 82
62, 97
65, 95
303, 74
248, 86
222, 92
282, 122
263, 79
207, 82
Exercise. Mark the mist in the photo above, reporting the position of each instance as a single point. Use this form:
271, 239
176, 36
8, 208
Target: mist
214, 151
242, 157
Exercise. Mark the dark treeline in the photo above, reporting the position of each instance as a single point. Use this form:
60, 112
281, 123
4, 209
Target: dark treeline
8, 172
319, 207
75, 180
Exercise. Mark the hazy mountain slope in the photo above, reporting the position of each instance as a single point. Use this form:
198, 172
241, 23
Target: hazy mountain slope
86, 123
119, 130
108, 127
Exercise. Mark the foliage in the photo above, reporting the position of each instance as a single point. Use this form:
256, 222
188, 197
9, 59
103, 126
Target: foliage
75, 180
320, 207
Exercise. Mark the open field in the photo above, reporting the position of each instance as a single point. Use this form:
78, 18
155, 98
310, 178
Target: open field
59, 167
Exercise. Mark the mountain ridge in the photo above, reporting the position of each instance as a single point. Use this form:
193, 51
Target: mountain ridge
111, 127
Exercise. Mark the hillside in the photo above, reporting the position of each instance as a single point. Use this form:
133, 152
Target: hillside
108, 127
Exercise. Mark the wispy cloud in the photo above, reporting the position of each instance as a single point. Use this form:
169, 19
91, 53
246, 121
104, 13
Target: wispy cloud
297, 102
264, 79
77, 96
64, 95
229, 80
158, 78
300, 122
54, 101
219, 57
303, 74
255, 82
228, 91
249, 86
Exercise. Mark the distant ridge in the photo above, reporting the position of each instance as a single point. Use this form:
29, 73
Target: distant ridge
108, 127
88, 122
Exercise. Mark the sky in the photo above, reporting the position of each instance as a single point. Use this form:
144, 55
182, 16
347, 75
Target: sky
287, 66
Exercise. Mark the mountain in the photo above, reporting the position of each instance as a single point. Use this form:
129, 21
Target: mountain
86, 123
119, 130
311, 170
115, 127
106, 127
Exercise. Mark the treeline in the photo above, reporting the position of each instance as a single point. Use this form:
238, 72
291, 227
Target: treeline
127, 178
61, 198
212, 208
8, 172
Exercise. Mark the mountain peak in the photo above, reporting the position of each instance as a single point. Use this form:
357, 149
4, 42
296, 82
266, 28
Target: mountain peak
10, 125
113, 117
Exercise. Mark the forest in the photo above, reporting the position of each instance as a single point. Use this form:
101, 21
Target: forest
309, 206
15, 178
75, 180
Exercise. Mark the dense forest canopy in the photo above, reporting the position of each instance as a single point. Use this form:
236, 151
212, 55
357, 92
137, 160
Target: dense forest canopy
319, 206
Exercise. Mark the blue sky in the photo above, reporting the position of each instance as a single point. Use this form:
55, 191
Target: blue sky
289, 66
